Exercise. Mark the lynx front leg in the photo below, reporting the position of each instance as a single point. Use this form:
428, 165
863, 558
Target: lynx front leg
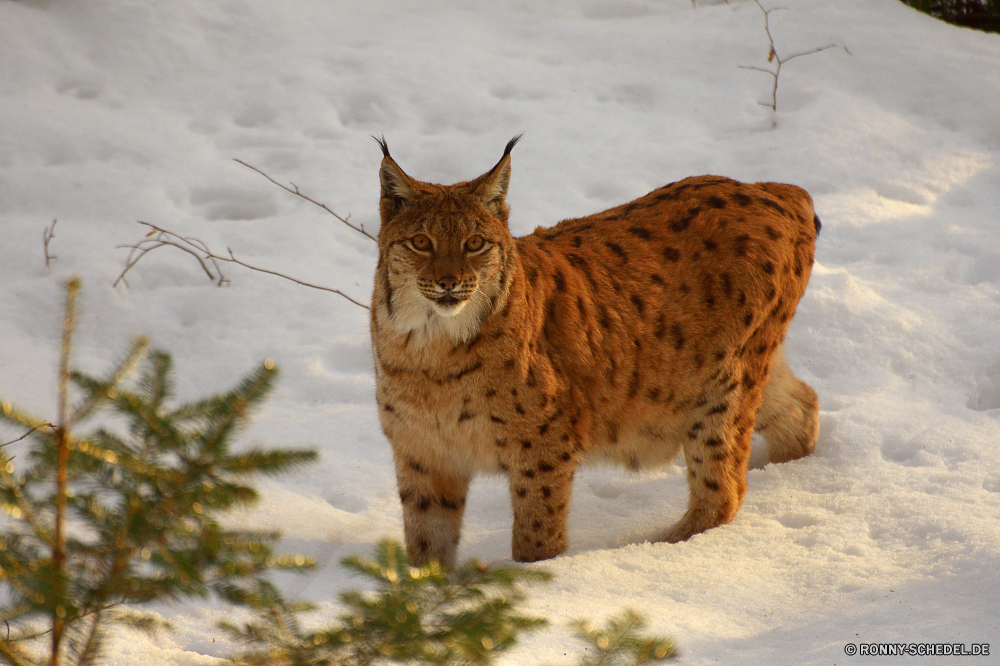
540, 495
433, 506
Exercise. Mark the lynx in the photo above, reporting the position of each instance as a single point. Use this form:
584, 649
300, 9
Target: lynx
627, 336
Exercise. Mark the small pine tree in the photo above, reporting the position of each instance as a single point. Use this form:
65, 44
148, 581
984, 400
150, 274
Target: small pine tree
417, 615
128, 516
424, 616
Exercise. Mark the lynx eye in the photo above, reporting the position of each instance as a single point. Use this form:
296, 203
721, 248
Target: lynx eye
475, 243
421, 242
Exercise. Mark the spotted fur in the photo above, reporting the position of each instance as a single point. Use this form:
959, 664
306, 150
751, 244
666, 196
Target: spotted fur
648, 330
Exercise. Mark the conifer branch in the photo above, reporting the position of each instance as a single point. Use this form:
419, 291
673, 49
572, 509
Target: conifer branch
619, 642
100, 391
88, 652
15, 654
294, 189
62, 436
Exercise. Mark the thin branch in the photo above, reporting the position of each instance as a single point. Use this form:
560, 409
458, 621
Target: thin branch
47, 235
773, 55
802, 53
759, 69
159, 237
294, 189
233, 259
14, 441
81, 615
164, 237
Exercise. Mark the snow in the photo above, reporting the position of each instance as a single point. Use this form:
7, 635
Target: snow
121, 110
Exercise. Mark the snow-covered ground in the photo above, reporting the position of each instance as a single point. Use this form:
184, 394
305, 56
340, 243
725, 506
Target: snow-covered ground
113, 111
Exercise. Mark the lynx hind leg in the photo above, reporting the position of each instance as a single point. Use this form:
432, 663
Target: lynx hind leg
717, 453
789, 416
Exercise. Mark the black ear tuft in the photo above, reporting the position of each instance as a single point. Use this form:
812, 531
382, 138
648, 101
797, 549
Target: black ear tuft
511, 144
385, 147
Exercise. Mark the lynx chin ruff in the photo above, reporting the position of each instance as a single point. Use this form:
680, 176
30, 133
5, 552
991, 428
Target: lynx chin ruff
628, 336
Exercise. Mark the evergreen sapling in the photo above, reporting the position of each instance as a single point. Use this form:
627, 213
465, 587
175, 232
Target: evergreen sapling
424, 616
416, 615
121, 517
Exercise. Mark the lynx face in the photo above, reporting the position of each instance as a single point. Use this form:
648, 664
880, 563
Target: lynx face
630, 336
442, 263
444, 254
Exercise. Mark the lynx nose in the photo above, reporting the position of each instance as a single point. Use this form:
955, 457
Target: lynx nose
448, 282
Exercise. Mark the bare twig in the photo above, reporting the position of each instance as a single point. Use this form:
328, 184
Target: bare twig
233, 259
294, 189
82, 614
14, 441
159, 237
47, 235
773, 55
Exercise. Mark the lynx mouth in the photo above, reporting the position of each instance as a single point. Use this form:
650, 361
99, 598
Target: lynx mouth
448, 305
448, 301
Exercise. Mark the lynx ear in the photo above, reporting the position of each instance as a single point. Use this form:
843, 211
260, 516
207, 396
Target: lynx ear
491, 187
397, 188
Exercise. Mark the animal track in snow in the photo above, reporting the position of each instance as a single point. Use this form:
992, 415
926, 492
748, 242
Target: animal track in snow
84, 90
232, 203
607, 11
986, 395
364, 109
797, 521
256, 115
911, 453
637, 96
606, 490
519, 91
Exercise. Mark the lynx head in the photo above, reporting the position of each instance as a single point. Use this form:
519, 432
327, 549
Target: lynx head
445, 252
